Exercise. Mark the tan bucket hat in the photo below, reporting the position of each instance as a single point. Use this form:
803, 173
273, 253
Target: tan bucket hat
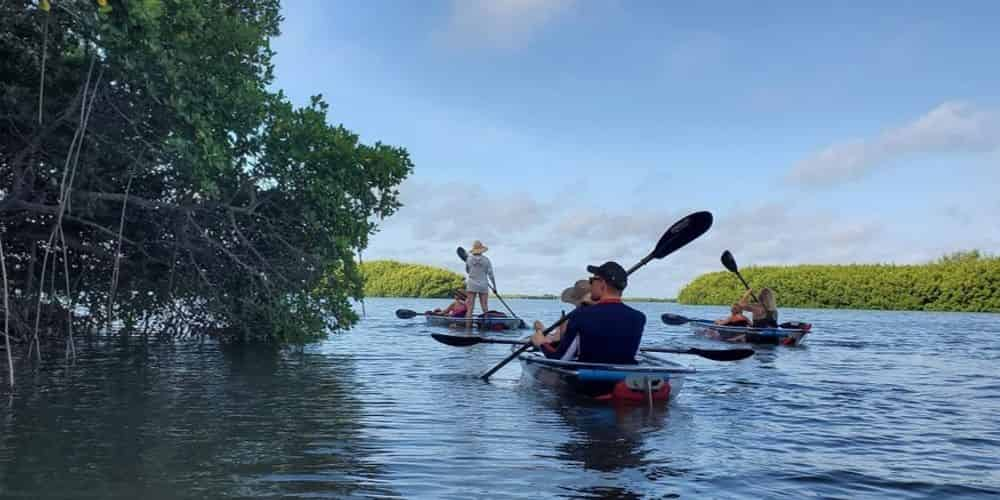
577, 294
478, 247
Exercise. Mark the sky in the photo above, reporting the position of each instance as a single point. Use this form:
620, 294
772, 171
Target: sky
563, 133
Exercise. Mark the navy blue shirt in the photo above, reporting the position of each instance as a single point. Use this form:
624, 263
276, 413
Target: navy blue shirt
606, 332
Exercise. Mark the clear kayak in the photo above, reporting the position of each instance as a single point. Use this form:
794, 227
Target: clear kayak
652, 380
784, 335
489, 322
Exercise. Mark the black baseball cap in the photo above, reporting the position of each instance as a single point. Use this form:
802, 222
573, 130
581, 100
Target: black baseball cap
612, 272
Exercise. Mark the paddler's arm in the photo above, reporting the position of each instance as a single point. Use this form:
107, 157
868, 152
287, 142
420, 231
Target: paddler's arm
551, 349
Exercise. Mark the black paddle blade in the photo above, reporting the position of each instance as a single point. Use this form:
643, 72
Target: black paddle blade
456, 340
405, 313
729, 262
674, 319
462, 254
682, 232
712, 354
723, 355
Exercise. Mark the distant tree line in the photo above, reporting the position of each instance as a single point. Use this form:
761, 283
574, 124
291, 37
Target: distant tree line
963, 281
387, 278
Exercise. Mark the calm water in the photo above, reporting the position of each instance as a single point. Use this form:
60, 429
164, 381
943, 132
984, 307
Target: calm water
902, 405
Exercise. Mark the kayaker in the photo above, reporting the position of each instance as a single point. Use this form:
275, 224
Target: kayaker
736, 317
456, 308
579, 296
607, 331
765, 312
479, 269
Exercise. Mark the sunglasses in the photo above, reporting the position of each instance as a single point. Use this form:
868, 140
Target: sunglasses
595, 278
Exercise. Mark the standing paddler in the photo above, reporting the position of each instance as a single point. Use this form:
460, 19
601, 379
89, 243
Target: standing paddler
479, 270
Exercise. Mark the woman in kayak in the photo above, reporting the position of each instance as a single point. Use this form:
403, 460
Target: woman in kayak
479, 269
765, 312
456, 308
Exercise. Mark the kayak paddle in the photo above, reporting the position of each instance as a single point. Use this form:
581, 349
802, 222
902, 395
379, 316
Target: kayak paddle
713, 354
730, 263
407, 314
677, 319
679, 234
462, 254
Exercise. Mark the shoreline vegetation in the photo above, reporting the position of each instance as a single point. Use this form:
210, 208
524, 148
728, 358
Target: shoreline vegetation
389, 278
960, 282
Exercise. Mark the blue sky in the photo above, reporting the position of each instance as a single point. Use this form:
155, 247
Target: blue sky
568, 132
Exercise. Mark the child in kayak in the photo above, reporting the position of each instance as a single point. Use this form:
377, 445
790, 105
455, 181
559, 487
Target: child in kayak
579, 296
457, 307
480, 269
736, 317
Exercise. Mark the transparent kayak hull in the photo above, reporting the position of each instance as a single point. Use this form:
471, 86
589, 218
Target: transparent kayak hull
487, 323
653, 380
741, 334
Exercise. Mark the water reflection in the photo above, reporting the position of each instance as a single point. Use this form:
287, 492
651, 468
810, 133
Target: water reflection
608, 438
611, 444
166, 421
384, 411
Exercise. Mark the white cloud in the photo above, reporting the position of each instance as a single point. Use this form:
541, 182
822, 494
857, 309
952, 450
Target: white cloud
541, 246
952, 127
501, 24
459, 211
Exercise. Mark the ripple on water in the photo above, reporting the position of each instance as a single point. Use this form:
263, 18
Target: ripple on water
876, 405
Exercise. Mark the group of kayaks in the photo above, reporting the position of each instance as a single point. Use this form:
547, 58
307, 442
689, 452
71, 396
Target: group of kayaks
652, 380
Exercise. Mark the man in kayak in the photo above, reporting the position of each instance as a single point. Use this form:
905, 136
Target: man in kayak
607, 331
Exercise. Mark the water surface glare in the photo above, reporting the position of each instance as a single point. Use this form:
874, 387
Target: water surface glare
875, 405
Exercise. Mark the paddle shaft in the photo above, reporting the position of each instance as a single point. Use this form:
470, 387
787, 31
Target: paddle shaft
747, 285
508, 359
713, 354
495, 292
729, 262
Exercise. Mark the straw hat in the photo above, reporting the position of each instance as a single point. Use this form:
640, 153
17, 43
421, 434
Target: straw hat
478, 247
577, 294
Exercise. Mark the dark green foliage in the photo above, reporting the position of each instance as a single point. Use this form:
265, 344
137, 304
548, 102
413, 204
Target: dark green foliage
239, 214
965, 281
387, 278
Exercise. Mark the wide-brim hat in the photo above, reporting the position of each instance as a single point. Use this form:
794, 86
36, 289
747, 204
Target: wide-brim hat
478, 247
577, 294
